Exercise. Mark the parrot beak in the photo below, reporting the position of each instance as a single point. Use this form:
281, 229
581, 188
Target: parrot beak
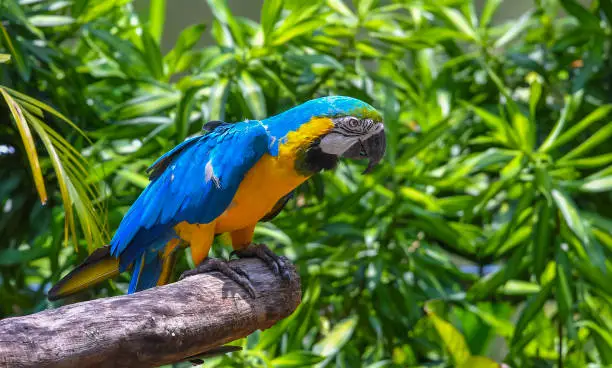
372, 147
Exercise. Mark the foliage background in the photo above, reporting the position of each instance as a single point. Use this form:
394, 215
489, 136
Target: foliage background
485, 233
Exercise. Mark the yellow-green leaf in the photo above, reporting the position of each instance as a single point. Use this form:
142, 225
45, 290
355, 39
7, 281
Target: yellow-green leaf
157, 16
28, 143
140, 181
453, 339
479, 362
337, 338
460, 22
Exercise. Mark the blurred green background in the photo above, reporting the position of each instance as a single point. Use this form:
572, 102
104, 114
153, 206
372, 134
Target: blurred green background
484, 237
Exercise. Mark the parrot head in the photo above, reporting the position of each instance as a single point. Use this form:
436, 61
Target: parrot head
352, 136
332, 127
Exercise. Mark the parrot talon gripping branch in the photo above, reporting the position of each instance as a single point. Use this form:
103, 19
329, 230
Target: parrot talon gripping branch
261, 251
226, 181
233, 272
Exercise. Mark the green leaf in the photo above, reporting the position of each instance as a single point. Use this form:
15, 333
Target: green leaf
140, 181
598, 185
586, 18
525, 131
183, 112
534, 98
186, 41
340, 7
457, 19
430, 136
600, 113
44, 20
532, 308
417, 196
606, 7
223, 14
157, 15
14, 257
253, 95
5, 58
589, 162
559, 125
592, 274
502, 326
17, 54
364, 7
99, 9
282, 35
601, 332
542, 244
333, 342
217, 99
518, 287
152, 55
570, 214
488, 11
146, 105
76, 195
488, 284
601, 136
27, 100
453, 340
564, 296
503, 129
297, 359
479, 362
517, 28
270, 13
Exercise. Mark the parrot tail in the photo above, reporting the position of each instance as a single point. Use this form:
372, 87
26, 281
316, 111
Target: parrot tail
99, 266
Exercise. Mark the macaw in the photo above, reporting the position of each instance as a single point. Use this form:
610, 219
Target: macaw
226, 181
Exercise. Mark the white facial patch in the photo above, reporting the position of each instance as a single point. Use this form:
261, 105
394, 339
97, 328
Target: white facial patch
337, 144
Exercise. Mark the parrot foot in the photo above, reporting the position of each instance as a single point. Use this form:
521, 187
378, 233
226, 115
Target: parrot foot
233, 272
261, 251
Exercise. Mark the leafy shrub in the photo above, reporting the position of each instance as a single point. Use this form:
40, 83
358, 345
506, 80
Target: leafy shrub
492, 209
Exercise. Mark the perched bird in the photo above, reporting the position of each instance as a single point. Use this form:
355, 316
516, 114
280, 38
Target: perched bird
227, 180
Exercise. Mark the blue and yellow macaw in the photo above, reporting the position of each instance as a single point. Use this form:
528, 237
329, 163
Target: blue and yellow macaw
226, 181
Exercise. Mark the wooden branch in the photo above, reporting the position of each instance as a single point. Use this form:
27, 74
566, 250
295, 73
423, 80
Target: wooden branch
150, 328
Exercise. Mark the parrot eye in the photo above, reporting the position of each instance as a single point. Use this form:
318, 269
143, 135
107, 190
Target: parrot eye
353, 123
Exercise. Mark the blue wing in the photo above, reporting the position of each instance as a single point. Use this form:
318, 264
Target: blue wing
194, 182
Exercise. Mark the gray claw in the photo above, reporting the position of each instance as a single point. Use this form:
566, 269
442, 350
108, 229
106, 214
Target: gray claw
233, 272
261, 251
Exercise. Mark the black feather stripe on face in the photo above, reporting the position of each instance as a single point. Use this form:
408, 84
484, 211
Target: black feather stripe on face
314, 160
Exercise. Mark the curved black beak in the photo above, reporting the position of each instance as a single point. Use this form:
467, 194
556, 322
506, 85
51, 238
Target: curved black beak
371, 148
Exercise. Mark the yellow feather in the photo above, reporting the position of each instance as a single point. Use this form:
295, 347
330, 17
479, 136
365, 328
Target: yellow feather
87, 274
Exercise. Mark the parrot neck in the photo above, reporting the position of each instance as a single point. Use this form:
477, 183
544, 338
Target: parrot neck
297, 145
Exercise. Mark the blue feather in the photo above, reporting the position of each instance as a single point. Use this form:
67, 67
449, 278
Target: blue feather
135, 275
150, 272
180, 191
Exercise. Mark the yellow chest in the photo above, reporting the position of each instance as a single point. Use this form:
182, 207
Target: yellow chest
271, 178
268, 181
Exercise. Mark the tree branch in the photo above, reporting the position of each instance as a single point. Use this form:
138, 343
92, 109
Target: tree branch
150, 328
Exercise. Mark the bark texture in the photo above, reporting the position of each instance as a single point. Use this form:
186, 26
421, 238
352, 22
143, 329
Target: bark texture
157, 326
